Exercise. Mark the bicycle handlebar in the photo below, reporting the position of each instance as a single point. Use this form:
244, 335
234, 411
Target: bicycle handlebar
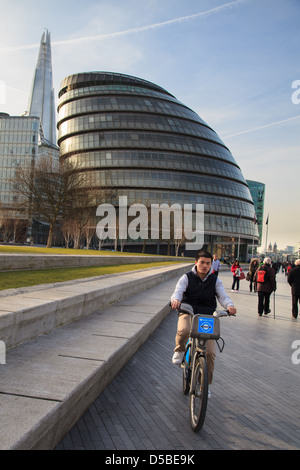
223, 313
186, 308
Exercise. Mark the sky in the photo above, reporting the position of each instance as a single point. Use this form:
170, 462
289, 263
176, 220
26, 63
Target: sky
235, 63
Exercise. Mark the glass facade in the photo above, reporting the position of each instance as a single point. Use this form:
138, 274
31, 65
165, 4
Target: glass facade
19, 137
257, 191
134, 138
21, 146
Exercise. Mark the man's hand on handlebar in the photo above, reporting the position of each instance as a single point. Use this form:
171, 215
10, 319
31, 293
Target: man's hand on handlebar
231, 310
175, 304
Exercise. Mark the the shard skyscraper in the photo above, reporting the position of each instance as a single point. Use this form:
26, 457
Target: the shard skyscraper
41, 101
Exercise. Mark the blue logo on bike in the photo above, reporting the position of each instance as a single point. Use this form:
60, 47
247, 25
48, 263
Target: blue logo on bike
206, 325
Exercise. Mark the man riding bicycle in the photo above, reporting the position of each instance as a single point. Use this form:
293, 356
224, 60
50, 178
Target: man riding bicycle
200, 288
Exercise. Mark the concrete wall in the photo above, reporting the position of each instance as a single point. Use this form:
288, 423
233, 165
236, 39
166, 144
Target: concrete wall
14, 261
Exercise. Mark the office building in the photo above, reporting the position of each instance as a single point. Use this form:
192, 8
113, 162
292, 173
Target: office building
25, 139
41, 101
19, 138
257, 191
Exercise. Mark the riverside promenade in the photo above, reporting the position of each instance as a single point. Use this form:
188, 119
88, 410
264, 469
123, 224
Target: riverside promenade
255, 402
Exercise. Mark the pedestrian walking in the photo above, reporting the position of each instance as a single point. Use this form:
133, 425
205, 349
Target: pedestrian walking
236, 271
254, 265
265, 280
216, 265
294, 281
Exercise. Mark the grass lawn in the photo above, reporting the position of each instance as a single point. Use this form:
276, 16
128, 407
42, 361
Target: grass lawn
63, 251
15, 279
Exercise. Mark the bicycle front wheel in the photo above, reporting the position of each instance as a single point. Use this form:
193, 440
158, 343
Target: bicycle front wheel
198, 394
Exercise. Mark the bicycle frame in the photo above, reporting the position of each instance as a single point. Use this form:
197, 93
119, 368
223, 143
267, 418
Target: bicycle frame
194, 345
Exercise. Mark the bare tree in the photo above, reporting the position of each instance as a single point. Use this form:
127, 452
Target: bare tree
12, 226
66, 230
48, 188
7, 229
178, 242
79, 214
89, 231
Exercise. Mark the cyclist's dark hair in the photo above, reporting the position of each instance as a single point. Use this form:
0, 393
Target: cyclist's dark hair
203, 254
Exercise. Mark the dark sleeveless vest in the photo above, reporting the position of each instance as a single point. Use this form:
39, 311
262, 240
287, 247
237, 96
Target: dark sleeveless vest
201, 295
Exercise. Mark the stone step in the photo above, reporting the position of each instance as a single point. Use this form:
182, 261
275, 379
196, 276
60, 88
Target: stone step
27, 315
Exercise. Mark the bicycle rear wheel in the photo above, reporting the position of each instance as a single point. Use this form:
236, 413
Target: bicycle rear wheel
198, 394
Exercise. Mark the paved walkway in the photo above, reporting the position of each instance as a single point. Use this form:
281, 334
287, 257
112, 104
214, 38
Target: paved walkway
255, 400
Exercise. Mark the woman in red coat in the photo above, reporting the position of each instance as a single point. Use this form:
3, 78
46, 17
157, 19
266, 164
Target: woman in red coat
236, 270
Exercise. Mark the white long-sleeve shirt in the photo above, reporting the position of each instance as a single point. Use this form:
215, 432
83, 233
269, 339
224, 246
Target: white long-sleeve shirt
215, 265
221, 295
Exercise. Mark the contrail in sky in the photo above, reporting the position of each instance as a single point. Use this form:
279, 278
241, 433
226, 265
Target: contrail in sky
261, 127
100, 37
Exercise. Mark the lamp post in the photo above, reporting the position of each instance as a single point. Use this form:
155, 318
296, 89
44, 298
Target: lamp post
239, 232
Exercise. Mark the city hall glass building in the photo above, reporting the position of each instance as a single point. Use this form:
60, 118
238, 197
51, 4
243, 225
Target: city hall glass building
135, 139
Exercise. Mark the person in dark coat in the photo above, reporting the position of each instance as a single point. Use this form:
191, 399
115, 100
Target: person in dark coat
254, 264
294, 281
265, 289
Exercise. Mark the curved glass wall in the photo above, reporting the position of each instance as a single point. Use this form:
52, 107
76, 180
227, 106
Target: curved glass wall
134, 138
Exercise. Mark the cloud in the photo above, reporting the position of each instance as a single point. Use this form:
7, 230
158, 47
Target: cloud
101, 37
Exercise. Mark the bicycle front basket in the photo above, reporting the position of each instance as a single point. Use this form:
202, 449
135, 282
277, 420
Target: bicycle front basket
205, 327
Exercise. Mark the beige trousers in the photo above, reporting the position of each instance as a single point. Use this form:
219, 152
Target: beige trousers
182, 335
